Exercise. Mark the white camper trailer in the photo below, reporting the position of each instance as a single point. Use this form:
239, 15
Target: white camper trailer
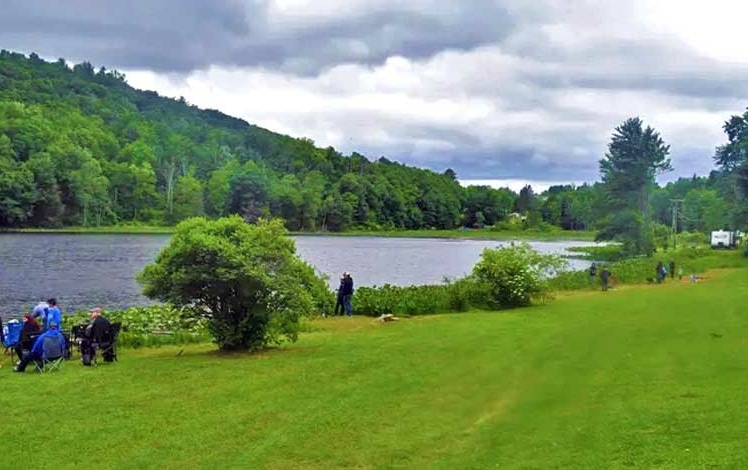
723, 239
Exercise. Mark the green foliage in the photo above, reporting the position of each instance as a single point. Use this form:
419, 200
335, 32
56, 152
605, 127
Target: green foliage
635, 156
82, 148
246, 280
411, 300
705, 210
732, 179
459, 295
188, 199
692, 259
152, 326
692, 239
492, 204
515, 275
611, 252
662, 235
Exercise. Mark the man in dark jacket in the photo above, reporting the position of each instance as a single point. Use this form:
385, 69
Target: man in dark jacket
98, 336
605, 278
339, 302
592, 272
49, 345
98, 329
347, 286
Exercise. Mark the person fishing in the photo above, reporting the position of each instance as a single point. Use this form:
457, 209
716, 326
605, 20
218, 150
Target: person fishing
592, 272
339, 302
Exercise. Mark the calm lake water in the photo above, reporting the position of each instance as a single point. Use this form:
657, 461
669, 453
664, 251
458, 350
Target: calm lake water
82, 271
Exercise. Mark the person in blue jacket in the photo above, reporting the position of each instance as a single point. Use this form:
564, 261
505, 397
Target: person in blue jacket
37, 351
54, 315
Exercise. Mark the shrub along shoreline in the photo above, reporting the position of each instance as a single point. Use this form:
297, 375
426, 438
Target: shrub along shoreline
504, 278
464, 294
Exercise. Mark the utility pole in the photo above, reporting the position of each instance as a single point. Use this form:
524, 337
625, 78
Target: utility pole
675, 203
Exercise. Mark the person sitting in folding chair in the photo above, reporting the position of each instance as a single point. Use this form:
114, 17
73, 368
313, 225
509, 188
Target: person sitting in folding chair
48, 350
29, 332
98, 335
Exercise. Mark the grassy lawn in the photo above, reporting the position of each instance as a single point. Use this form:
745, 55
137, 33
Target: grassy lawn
641, 377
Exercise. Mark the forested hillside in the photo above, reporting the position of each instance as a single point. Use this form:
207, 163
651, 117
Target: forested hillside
79, 146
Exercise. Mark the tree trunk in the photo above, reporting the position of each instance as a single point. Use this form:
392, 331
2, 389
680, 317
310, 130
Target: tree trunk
169, 176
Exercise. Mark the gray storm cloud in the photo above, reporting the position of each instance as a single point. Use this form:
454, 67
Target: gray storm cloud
542, 83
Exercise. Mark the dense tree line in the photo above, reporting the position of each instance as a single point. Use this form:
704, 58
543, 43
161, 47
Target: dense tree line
79, 146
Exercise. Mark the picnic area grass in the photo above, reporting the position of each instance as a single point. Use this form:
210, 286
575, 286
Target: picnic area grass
641, 377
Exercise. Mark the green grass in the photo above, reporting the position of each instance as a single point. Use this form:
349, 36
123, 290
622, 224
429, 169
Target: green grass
110, 229
469, 234
465, 234
641, 377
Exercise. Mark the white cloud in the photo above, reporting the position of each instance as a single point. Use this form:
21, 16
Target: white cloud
515, 184
710, 28
500, 90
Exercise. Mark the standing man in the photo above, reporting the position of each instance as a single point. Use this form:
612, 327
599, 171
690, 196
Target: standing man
672, 269
339, 302
40, 312
593, 273
347, 293
54, 315
604, 278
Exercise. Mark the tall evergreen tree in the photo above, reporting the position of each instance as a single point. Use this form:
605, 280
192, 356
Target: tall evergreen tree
635, 156
732, 159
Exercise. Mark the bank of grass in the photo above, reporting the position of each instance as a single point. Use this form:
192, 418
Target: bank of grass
692, 260
477, 234
463, 234
641, 377
112, 229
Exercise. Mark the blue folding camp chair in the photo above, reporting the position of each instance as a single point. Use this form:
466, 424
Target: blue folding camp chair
11, 334
53, 354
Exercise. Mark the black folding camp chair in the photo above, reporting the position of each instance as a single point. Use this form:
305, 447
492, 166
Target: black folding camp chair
108, 345
77, 335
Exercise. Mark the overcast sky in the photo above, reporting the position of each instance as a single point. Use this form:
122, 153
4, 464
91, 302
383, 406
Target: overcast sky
503, 90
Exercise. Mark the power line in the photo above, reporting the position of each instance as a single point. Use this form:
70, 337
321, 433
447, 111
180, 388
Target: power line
675, 210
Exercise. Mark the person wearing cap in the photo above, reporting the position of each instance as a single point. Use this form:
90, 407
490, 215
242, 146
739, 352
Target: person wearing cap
37, 351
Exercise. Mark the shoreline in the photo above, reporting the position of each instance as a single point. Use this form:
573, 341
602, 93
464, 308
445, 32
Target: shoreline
456, 234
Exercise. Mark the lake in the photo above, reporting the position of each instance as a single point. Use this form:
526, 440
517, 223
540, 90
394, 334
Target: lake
88, 270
